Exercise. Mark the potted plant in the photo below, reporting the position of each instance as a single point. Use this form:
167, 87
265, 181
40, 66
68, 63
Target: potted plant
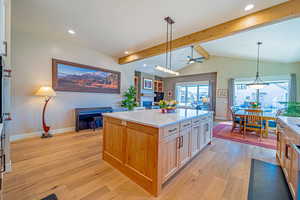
292, 109
129, 101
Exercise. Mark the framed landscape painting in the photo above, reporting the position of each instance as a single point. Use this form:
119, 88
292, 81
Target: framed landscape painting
73, 77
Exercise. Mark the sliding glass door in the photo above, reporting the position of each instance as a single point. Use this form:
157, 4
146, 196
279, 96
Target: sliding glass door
193, 95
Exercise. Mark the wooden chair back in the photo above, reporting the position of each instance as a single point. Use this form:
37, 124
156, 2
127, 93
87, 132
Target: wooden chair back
254, 118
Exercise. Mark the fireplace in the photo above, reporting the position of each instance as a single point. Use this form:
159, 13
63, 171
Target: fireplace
147, 104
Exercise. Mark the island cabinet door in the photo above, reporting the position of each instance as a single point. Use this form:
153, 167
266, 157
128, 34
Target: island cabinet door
195, 140
294, 171
169, 155
206, 133
184, 146
113, 139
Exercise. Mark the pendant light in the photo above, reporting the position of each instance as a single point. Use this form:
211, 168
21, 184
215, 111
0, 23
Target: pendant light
258, 82
168, 67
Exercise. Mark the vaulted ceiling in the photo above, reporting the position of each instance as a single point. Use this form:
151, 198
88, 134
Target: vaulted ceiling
116, 26
280, 44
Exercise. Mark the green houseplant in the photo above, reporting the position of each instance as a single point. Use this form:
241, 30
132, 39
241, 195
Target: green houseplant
292, 109
129, 101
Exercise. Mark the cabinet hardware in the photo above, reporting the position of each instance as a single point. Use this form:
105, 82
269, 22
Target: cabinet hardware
287, 146
186, 125
5, 49
196, 121
7, 116
181, 141
172, 130
3, 163
178, 143
7, 73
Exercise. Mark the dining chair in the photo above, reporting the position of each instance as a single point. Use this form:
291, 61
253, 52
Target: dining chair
254, 121
236, 121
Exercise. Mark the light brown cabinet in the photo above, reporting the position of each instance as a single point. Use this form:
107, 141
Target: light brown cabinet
287, 153
196, 140
184, 146
294, 170
170, 151
149, 155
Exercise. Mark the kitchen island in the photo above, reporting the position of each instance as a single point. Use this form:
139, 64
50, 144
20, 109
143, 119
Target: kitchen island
288, 151
150, 147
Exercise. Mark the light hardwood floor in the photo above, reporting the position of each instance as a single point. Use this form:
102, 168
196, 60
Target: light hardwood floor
70, 166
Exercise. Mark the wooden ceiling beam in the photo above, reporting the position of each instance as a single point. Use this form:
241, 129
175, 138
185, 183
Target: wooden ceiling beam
200, 50
290, 9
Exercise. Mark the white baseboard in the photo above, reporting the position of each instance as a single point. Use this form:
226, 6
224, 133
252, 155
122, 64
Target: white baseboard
39, 133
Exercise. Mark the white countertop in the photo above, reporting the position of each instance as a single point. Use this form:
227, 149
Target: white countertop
157, 119
291, 122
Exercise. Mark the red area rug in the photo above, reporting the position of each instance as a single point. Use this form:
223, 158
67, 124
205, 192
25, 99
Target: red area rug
224, 131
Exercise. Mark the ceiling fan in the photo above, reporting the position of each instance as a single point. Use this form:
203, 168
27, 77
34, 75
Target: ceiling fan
191, 59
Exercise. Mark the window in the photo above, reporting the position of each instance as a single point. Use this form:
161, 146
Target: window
192, 94
271, 96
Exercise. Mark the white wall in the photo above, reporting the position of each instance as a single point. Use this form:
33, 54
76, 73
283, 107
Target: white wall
31, 61
227, 68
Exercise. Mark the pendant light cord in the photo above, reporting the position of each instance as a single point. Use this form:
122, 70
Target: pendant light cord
258, 55
167, 46
171, 37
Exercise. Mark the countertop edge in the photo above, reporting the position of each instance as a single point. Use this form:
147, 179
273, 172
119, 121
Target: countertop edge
157, 126
289, 126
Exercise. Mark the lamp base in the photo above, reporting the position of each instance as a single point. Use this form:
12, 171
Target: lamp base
46, 135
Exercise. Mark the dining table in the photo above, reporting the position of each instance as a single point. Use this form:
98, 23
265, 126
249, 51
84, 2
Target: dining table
267, 115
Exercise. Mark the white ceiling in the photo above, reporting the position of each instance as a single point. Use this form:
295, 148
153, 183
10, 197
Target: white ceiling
179, 60
280, 43
115, 26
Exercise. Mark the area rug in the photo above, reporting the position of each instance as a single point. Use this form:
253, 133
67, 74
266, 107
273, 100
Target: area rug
224, 131
267, 182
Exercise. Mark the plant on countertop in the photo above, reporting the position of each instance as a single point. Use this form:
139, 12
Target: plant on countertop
167, 104
129, 101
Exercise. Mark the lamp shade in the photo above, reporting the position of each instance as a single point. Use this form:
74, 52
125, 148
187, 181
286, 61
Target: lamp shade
46, 91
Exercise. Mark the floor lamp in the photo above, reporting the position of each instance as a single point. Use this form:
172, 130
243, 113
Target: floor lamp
46, 92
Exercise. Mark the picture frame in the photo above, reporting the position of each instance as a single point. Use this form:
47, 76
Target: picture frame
74, 77
222, 93
148, 84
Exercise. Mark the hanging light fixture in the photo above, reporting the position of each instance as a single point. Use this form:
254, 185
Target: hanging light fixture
258, 82
168, 67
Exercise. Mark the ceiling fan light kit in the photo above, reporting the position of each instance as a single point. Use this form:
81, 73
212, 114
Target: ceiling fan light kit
192, 60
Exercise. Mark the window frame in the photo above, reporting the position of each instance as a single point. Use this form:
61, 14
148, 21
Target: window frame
190, 84
270, 79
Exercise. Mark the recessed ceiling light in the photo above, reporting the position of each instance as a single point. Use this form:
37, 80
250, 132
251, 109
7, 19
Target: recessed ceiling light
145, 65
126, 52
72, 32
249, 7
